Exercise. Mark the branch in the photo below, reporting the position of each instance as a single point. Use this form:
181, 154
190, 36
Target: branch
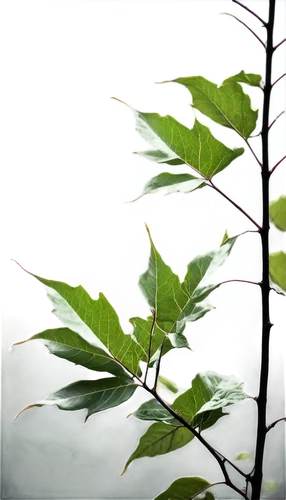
278, 45
241, 281
250, 11
258, 161
244, 24
274, 423
276, 81
158, 364
275, 166
278, 116
150, 344
211, 184
218, 456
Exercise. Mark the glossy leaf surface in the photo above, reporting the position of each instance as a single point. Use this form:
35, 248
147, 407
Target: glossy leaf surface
224, 391
277, 212
277, 263
185, 488
172, 183
153, 410
242, 77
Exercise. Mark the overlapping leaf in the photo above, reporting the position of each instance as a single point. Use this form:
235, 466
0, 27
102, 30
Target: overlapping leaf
196, 147
250, 78
277, 262
277, 212
79, 312
67, 344
227, 105
153, 410
93, 395
173, 302
159, 439
186, 488
201, 405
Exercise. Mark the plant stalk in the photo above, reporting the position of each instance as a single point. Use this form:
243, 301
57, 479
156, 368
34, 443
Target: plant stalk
257, 475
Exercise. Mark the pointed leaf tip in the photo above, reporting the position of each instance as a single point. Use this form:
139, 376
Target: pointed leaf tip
119, 100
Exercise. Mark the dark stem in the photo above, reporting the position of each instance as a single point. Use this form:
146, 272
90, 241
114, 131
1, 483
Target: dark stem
256, 477
219, 458
211, 184
250, 11
159, 364
244, 24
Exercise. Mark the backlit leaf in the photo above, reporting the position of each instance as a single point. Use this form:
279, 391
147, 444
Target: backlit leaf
227, 105
249, 78
92, 318
169, 384
197, 147
243, 456
172, 183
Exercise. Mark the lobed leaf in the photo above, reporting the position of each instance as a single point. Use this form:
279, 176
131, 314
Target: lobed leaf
186, 488
196, 147
227, 105
277, 212
201, 405
97, 318
249, 78
94, 395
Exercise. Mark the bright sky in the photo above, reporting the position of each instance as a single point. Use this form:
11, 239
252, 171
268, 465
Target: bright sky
92, 50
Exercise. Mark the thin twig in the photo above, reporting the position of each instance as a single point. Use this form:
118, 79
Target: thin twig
252, 151
276, 81
150, 344
250, 11
244, 24
274, 423
211, 184
278, 116
278, 45
158, 364
275, 166
241, 281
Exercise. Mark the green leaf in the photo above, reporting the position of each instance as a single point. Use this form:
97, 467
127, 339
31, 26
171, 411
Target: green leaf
68, 345
163, 291
159, 439
185, 488
249, 78
94, 395
153, 410
227, 105
166, 156
97, 318
197, 147
269, 487
202, 266
224, 391
243, 456
142, 332
277, 262
224, 238
167, 388
172, 183
201, 406
190, 403
277, 212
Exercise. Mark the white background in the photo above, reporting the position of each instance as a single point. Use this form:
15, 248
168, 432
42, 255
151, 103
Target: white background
92, 50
